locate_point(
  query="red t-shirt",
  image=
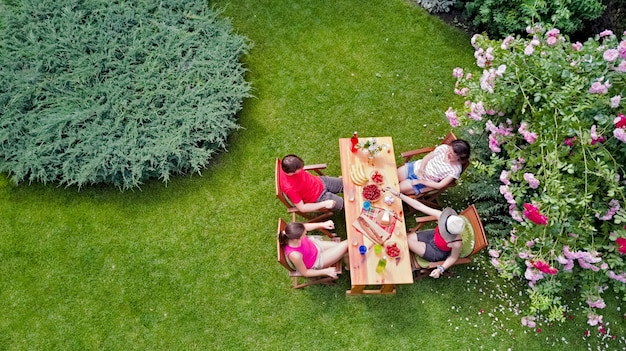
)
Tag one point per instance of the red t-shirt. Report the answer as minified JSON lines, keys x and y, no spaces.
{"x":301,"y":186}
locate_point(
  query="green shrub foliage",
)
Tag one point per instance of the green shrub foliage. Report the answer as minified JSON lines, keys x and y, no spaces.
{"x":500,"y":18}
{"x":116,"y":91}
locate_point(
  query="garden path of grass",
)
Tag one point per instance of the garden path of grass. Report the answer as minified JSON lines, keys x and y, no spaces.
{"x":192,"y":265}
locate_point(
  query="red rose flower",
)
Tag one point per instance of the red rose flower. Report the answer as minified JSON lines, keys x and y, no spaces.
{"x":621,"y":245}
{"x":532,"y":213}
{"x":544,"y":267}
{"x":620,"y":121}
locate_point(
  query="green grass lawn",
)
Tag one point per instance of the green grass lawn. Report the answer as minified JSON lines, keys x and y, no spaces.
{"x":192,"y":265}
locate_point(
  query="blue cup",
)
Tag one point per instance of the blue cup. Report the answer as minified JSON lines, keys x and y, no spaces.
{"x":362,"y":249}
{"x":367,"y":205}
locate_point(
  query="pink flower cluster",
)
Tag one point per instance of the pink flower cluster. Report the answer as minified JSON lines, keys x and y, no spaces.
{"x":507,"y":42}
{"x":457,"y":72}
{"x":553,"y":36}
{"x":615,"y":100}
{"x":488,"y":80}
{"x":606,"y":33}
{"x":600,"y":87}
{"x":477,"y":110}
{"x":528,"y":136}
{"x":620,"y":128}
{"x":618,"y":277}
{"x":596,"y":302}
{"x":518,"y":164}
{"x":594,"y":136}
{"x":530,"y":48}
{"x":495,"y":132}
{"x":528,"y":321}
{"x":532,"y":213}
{"x":585,"y":259}
{"x":484,"y":57}
{"x":533,"y":183}
{"x":452,"y":117}
{"x":611,"y":212}
{"x":508,"y":195}
{"x":593,"y":318}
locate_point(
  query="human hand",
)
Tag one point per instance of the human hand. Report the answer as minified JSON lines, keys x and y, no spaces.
{"x":435,"y":273}
{"x":392,"y":191}
{"x":330,"y":272}
{"x":329,"y":204}
{"x":328,"y":224}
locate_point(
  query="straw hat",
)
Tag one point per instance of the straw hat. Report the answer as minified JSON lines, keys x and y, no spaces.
{"x":450,"y":224}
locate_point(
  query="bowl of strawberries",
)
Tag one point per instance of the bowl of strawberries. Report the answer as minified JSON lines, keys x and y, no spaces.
{"x":371,"y":192}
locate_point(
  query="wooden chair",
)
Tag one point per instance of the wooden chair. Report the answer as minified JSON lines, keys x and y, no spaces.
{"x":291,"y":208}
{"x":430,"y":198}
{"x":474,"y":240}
{"x":282,"y":259}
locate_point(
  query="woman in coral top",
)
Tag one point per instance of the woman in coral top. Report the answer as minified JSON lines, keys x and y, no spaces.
{"x":309,"y":256}
{"x":444,"y":243}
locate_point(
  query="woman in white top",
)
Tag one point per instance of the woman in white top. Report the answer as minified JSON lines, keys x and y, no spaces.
{"x":436,"y":170}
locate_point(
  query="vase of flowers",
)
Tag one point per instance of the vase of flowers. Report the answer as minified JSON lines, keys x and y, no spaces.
{"x":371,"y":148}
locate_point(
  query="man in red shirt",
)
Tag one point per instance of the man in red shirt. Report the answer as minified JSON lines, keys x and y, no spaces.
{"x":309,"y":193}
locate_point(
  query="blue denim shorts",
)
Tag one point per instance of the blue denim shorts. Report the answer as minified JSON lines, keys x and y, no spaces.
{"x":410,"y":170}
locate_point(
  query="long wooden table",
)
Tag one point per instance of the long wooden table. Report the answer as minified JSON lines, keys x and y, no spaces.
{"x":363,"y":275}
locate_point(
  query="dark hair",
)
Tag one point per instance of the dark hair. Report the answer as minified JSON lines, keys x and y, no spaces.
{"x":293,"y":230}
{"x":291,"y":163}
{"x":462,"y":149}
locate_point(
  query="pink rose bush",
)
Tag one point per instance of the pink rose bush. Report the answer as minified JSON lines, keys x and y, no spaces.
{"x":553,"y":131}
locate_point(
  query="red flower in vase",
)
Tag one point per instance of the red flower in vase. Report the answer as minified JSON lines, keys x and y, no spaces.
{"x":532,"y":213}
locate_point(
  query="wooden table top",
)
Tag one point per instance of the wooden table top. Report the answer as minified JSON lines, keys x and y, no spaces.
{"x":363,"y":267}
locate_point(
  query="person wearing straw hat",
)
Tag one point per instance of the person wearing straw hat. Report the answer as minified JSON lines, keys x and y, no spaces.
{"x":440,"y":244}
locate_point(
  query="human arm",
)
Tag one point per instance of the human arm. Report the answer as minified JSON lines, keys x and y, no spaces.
{"x":330,"y":225}
{"x":296,"y":259}
{"x":416,"y":204}
{"x":420,"y":171}
{"x":315,"y":206}
{"x":430,"y":185}
{"x":449,"y":262}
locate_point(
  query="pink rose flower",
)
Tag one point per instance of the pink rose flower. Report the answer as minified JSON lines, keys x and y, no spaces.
{"x":532,"y":181}
{"x":615,"y":100}
{"x":452,"y":117}
{"x":610,"y":55}
{"x":457,"y":72}
{"x":606,"y":33}
{"x":529,"y":49}
{"x":577,"y":46}
{"x":599,"y":87}
{"x":506,"y":42}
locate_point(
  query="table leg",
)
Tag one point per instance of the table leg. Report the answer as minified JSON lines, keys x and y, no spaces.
{"x":386,"y":289}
